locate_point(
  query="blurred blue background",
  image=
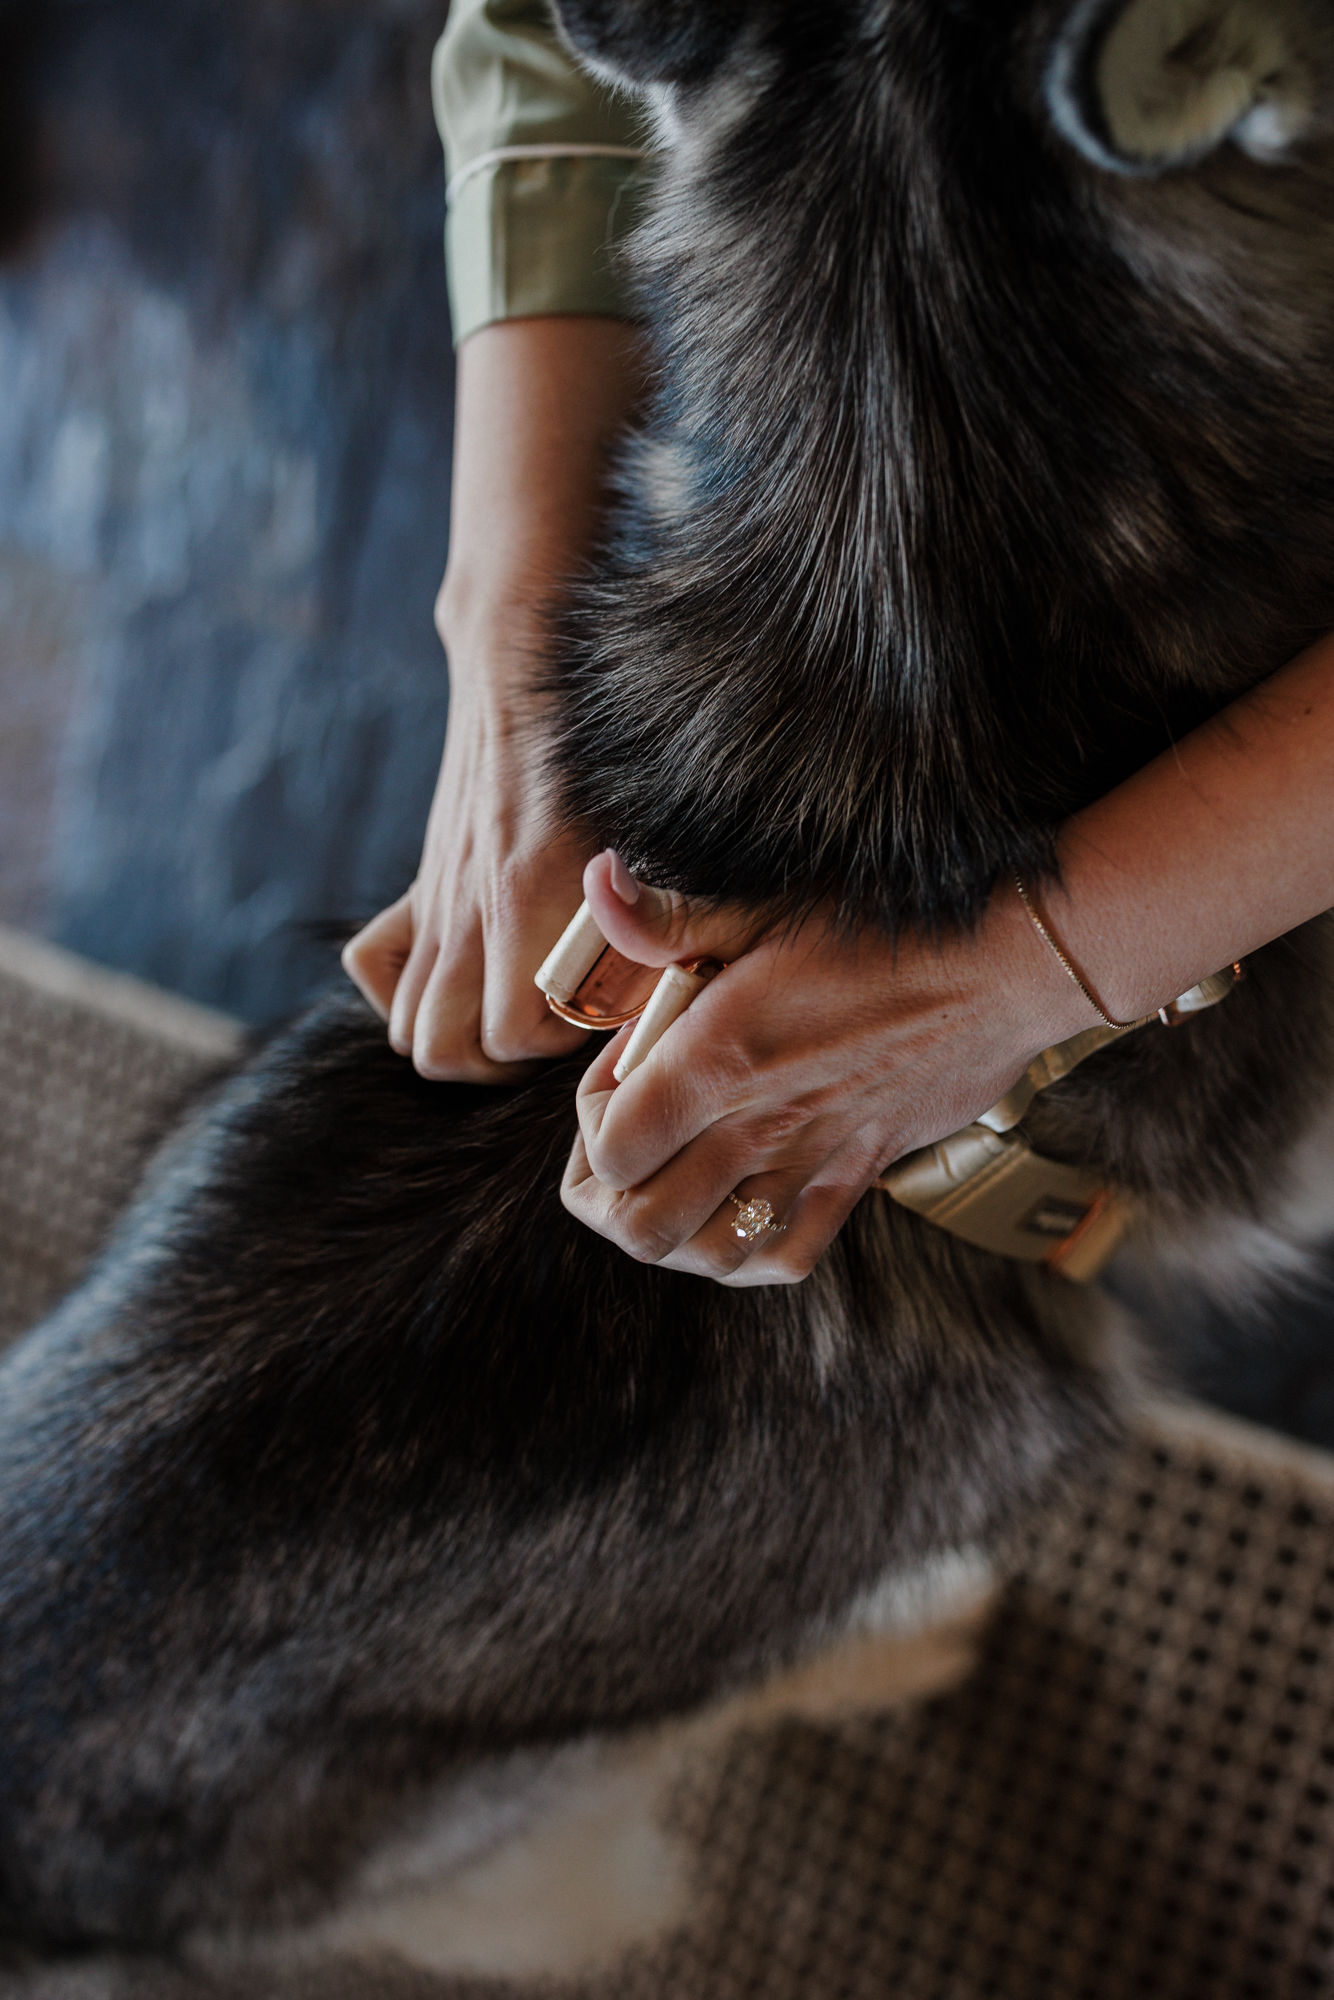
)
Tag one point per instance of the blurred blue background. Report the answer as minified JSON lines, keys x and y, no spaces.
{"x":225,"y":406}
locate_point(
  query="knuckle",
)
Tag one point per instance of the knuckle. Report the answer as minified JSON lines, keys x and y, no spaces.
{"x":432,"y":1068}
{"x":431,"y":1040}
{"x":728,"y":1251}
{"x":726,"y":1269}
{"x":437,"y":1053}
{"x":629,"y":1223}
{"x":508,"y":1043}
{"x":370,"y":988}
{"x":376,"y":953}
{"x":607,"y":1166}
{"x":402,"y":1028}
{"x":647,"y":1241}
{"x":712,"y":1261}
{"x":792,"y":1267}
{"x":777,"y":1124}
{"x":575,"y":1194}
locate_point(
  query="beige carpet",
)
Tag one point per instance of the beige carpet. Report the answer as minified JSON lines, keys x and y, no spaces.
{"x":1133,"y":1795}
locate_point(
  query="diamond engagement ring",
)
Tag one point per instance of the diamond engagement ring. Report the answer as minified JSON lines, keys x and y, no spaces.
{"x":755,"y":1218}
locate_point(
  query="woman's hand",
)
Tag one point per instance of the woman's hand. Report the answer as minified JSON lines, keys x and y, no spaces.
{"x":807,"y":1066}
{"x":450,"y":965}
{"x":815,"y":1060}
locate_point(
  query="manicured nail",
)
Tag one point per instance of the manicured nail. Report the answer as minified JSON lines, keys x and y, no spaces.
{"x":623,"y":882}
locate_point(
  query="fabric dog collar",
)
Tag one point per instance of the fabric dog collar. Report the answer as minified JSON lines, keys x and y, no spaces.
{"x":987,"y":1185}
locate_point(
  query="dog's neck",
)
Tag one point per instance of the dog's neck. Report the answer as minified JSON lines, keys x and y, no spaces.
{"x":946,"y":510}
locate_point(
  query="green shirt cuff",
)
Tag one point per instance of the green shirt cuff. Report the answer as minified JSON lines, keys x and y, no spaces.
{"x":541,"y":236}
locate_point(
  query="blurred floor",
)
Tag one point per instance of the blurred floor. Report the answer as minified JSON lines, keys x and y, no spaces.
{"x":224,"y":454}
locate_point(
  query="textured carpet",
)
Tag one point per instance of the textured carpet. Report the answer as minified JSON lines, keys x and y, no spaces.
{"x":92,"y":1067}
{"x":1133,"y":1795}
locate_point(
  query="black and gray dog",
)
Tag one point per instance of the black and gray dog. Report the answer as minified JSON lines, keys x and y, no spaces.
{"x":993,"y":448}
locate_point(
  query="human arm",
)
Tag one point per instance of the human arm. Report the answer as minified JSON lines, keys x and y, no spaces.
{"x":1221,"y":844}
{"x":450,"y":964}
{"x":814,"y":1060}
{"x":544,"y":173}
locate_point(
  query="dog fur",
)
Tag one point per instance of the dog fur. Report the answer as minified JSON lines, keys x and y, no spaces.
{"x":982,"y":463}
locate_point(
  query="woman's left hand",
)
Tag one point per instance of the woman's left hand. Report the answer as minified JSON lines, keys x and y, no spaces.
{"x":798,"y":1075}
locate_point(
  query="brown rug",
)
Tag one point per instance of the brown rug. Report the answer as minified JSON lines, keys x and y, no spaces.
{"x":1133,"y":1795}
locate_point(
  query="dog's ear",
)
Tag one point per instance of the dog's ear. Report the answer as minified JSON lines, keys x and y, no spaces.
{"x":1142,"y":86}
{"x":646,"y":42}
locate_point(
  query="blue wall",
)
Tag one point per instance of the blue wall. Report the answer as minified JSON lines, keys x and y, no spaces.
{"x":225,"y":377}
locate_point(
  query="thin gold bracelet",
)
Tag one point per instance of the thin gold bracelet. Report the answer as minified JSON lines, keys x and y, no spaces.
{"x":1068,"y":968}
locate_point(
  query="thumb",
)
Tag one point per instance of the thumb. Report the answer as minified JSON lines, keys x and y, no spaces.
{"x":656,"y":926}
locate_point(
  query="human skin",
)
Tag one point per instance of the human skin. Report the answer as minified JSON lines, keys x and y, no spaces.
{"x":816,"y":1058}
{"x":814,"y":1061}
{"x":450,"y":964}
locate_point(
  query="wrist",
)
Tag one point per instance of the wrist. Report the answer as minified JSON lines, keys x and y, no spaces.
{"x":539,"y":404}
{"x":1043,"y":1003}
{"x":1117,"y":914}
{"x":1042,"y":928}
{"x":494,"y":631}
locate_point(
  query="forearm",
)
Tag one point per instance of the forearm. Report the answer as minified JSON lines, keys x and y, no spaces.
{"x":1220,"y":845}
{"x":539,"y":404}
{"x":818,"y":1057}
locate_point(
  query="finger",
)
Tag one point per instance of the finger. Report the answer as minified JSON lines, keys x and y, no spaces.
{"x":751,"y":1218}
{"x":813,"y":1220}
{"x":446,"y":1042}
{"x":652,"y":1222}
{"x":412,"y":984}
{"x":695,"y":1077}
{"x":374,"y":959}
{"x":597,"y":1087}
{"x":690,"y":1215}
{"x":656,"y":926}
{"x":516,"y":1023}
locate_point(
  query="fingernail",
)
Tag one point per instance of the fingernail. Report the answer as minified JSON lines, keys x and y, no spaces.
{"x":623,"y":882}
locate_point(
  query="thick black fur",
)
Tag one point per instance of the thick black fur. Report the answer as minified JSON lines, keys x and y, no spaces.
{"x":359,"y":1460}
{"x":974,"y":476}
{"x":671,"y":41}
{"x":990,"y":474}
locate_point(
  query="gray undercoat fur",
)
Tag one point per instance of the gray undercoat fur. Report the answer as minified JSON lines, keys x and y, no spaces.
{"x":983,"y":460}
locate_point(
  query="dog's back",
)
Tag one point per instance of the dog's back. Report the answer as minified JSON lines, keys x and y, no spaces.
{"x":358,"y":1461}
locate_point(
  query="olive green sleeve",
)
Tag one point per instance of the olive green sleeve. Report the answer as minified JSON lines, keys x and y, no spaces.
{"x":545,"y":169}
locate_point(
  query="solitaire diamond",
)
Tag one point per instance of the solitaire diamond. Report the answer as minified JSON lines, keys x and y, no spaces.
{"x":754,"y":1218}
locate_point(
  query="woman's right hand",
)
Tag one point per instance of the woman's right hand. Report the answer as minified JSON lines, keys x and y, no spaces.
{"x":450,"y":965}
